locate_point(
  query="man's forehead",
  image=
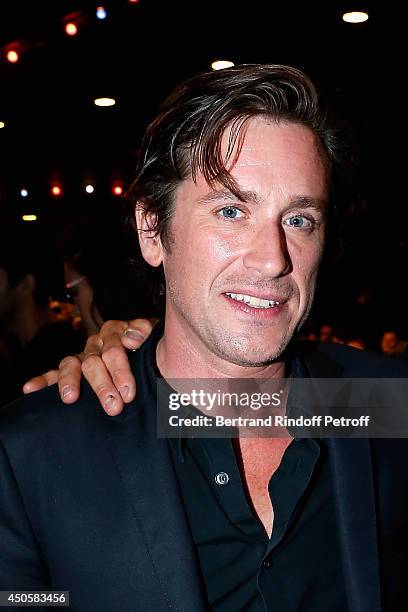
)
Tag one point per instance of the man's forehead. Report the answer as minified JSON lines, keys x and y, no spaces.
{"x":268,"y":142}
{"x":262,"y":127}
{"x":278,"y":166}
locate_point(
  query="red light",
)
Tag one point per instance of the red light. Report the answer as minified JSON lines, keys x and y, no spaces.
{"x":12,"y":56}
{"x":56,"y":191}
{"x":71,"y":29}
{"x":133,"y":1}
{"x":117,"y":190}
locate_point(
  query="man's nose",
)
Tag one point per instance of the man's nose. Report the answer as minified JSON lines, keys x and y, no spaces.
{"x":268,"y":252}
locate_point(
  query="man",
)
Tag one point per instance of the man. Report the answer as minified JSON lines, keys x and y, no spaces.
{"x":232,"y":199}
{"x":392,"y":345}
{"x":32,"y":337}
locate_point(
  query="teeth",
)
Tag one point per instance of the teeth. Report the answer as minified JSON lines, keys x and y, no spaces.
{"x":254,"y":302}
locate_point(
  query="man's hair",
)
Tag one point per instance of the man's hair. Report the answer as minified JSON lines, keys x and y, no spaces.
{"x":185,"y":137}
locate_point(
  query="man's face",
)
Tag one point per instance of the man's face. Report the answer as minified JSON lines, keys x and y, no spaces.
{"x":389,"y":342}
{"x":79,"y":287}
{"x":241,"y":275}
{"x":326,"y":333}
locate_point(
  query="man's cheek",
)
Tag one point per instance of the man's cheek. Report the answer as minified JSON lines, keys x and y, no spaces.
{"x":307,"y":263}
{"x":223,"y":247}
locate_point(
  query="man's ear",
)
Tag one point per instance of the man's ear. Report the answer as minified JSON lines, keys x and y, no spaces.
{"x":150,"y":243}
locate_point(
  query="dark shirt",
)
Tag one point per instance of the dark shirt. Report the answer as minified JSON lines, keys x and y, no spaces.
{"x":299,"y":568}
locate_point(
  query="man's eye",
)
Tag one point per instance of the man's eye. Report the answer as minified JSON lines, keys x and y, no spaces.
{"x":299,"y":221}
{"x":230,"y":212}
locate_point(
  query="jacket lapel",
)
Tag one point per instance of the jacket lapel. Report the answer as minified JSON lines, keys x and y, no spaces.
{"x":145,"y":466}
{"x":351,"y":466}
{"x":354,"y":493}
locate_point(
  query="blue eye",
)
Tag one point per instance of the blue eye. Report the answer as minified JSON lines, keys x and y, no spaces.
{"x":230,"y":212}
{"x":298,"y":221}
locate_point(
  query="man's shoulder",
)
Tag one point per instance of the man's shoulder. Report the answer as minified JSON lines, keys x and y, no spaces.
{"x":353,"y":363}
{"x":44,"y":414}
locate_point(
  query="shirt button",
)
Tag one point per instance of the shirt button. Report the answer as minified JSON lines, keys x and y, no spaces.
{"x":222,"y":478}
{"x":267,"y":563}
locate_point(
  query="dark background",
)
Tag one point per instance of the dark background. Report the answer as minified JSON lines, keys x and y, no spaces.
{"x":139,"y":53}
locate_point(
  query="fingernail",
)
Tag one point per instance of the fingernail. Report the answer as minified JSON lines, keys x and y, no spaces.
{"x":66,"y":391}
{"x":124,"y":391}
{"x":110,"y":403}
{"x":134,"y":335}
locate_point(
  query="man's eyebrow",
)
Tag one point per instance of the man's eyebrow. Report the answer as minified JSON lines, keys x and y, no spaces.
{"x":304,"y":202}
{"x":226,"y":194}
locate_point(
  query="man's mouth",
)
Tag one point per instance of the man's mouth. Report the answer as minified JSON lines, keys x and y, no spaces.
{"x":253,"y":301}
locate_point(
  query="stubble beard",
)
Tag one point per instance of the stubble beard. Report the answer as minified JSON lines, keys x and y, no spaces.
{"x":234,"y":348}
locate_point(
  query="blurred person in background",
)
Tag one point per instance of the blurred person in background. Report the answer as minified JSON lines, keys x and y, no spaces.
{"x":31,"y":334}
{"x":392,"y":345}
{"x":326,"y":333}
{"x":101,"y":284}
{"x":105,"y":283}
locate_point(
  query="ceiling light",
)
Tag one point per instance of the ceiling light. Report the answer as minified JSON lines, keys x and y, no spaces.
{"x":23,"y":193}
{"x":29,"y":217}
{"x":56,"y":191}
{"x":71,"y":29}
{"x":12,"y":56}
{"x":220,"y":64}
{"x":104,"y":101}
{"x":101,"y":12}
{"x":2,"y":124}
{"x":355,"y":17}
{"x":89,"y":188}
{"x":117,"y":190}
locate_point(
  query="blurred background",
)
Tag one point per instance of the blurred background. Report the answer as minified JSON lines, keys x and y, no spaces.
{"x":79,"y":81}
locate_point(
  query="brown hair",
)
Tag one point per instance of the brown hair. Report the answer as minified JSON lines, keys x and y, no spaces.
{"x":185,"y":137}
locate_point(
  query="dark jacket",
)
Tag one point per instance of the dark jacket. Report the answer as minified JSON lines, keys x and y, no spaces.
{"x":90,"y":503}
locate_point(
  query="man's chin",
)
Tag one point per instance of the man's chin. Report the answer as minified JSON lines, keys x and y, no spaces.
{"x":252,"y":355}
{"x":256,"y":360}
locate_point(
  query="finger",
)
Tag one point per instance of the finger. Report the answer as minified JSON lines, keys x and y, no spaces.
{"x":100,"y":380}
{"x":114,"y":357}
{"x":93,"y":346}
{"x":113,"y":327}
{"x":69,"y":379}
{"x":136,"y":332}
{"x":116,"y":361}
{"x":40,"y":382}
